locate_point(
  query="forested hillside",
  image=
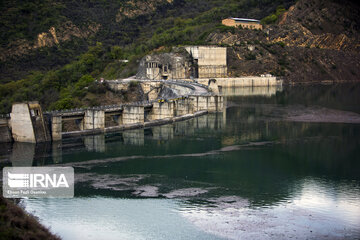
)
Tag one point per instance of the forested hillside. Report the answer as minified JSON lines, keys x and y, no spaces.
{"x":52,"y":51}
{"x":42,"y":35}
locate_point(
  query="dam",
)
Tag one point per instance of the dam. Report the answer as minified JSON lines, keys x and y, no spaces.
{"x":28,"y":123}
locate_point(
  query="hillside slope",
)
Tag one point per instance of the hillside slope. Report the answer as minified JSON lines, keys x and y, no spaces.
{"x":40,"y":35}
{"x":315,"y":40}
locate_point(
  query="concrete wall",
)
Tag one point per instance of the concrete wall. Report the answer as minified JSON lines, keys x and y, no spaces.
{"x":161,"y":110}
{"x":251,"y":91}
{"x":94,"y":119}
{"x":211,"y":60}
{"x":5,"y":133}
{"x":244,"y":81}
{"x":151,"y":88}
{"x":21,"y":123}
{"x":182,"y":107}
{"x":164,"y":66}
{"x":209,"y":103}
{"x":56,"y":128}
{"x":133,"y":114}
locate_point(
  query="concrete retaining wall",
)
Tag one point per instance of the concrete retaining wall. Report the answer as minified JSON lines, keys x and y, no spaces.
{"x":161,"y":110}
{"x":244,"y":81}
{"x":209,"y":103}
{"x":94,"y":119}
{"x":133,"y":114}
{"x":21,"y":123}
{"x":56,"y":127}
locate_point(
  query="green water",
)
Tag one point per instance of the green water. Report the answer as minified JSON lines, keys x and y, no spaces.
{"x":275,"y":165}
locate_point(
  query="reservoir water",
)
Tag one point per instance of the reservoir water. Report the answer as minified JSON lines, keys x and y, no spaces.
{"x":277,"y":164}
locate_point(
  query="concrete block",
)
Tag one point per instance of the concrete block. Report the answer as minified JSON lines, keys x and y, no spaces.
{"x":21,"y":123}
{"x":133,"y":114}
{"x":161,"y":110}
{"x":56,"y":128}
{"x":94,"y":119}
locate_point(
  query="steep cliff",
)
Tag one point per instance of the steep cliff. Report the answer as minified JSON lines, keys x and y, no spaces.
{"x":315,"y":40}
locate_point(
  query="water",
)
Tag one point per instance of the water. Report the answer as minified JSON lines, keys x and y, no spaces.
{"x":276,"y":165}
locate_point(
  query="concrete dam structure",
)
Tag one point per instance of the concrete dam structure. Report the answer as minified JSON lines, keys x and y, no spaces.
{"x":29,"y":124}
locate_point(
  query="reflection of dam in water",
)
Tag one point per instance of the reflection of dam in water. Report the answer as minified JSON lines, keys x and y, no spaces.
{"x":23,"y":154}
{"x":164,"y":132}
{"x":266,"y":91}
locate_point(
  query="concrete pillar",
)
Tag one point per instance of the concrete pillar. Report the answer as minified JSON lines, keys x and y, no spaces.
{"x":212,"y":103}
{"x":193,"y":103}
{"x":161,"y":110}
{"x":202,"y":103}
{"x":56,"y":127}
{"x":21,"y":123}
{"x":182,"y":107}
{"x":94,"y":119}
{"x":133,"y":114}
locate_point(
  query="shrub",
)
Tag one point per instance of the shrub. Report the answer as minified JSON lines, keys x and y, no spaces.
{"x":271,"y":19}
{"x":133,"y":84}
{"x":250,"y":56}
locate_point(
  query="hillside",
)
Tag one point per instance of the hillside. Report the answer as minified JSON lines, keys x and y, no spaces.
{"x":52,"y":50}
{"x":313,"y":41}
{"x":44,"y":35}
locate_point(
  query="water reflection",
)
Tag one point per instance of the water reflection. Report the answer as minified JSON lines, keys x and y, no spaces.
{"x":28,"y":154}
{"x":22,"y":154}
{"x":266,"y":91}
{"x":217,"y":176}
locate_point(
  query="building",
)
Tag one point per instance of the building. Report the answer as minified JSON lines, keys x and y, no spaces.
{"x":210,"y":61}
{"x":243,"y":22}
{"x":174,"y":65}
{"x":184,"y":63}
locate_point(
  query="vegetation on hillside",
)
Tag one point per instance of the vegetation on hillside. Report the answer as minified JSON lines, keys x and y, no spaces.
{"x":182,"y":22}
{"x":15,"y":223}
{"x":273,"y":18}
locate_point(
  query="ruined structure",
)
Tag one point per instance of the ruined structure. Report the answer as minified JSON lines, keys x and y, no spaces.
{"x":175,"y":65}
{"x":184,"y":63}
{"x":28,"y":123}
{"x":243,"y":22}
